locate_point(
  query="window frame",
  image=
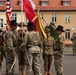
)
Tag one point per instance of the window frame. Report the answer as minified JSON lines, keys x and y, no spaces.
{"x":14,"y":16}
{"x":1,"y":23}
{"x":66,"y":3}
{"x":1,"y":3}
{"x":54,"y":17}
{"x":67,"y":34}
{"x":44,"y":3}
{"x":67,"y":17}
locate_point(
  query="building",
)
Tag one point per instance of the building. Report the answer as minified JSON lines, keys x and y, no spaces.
{"x":61,"y":12}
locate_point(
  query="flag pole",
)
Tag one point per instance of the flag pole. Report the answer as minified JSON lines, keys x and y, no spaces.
{"x":21,"y":10}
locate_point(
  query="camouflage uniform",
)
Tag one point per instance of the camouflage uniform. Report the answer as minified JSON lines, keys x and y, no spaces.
{"x":58,"y":51}
{"x":11,"y":46}
{"x":22,"y":55}
{"x":1,"y":51}
{"x":73,"y":39}
{"x":32,"y":42}
{"x":48,"y":48}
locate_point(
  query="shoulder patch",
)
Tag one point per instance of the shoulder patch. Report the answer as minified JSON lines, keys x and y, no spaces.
{"x":61,"y":39}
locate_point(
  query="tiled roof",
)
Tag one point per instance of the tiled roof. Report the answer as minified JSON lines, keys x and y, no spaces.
{"x":53,"y":5}
{"x":14,"y":4}
{"x":56,"y":5}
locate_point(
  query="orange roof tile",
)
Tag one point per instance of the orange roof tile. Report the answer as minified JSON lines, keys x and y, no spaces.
{"x":56,"y":5}
{"x":53,"y":5}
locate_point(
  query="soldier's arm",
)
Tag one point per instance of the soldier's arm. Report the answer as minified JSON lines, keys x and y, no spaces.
{"x":23,"y":44}
{"x":9,"y":41}
{"x":61,"y":43}
{"x":72,"y":38}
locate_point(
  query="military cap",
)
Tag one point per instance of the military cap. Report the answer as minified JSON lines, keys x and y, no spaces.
{"x":47,"y":30}
{"x":13,"y":23}
{"x":30,"y":25}
{"x":22,"y":24}
{"x":60,"y":28}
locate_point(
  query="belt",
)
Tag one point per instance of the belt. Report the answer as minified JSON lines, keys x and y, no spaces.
{"x":48,"y":45}
{"x":56,"y":49}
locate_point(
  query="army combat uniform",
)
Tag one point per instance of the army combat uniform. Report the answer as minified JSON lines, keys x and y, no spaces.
{"x":12,"y":38}
{"x":73,"y":39}
{"x":48,"y":48}
{"x":58,"y":51}
{"x":11,"y":49}
{"x":22,"y":55}
{"x":32,"y":42}
{"x":1,"y":51}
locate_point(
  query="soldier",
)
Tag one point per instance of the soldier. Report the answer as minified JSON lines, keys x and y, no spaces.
{"x":48,"y":48}
{"x":22,"y":53}
{"x":58,"y":50}
{"x":32,"y":42}
{"x":11,"y":46}
{"x":1,"y":49}
{"x":73,"y":39}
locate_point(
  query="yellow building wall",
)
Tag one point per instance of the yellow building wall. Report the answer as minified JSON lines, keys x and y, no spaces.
{"x":48,"y":18}
{"x":61,"y":21}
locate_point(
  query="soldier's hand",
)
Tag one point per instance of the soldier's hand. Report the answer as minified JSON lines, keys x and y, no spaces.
{"x":15,"y":54}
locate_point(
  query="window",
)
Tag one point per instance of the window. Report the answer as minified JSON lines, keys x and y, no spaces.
{"x":67,"y":17}
{"x":44,"y":3}
{"x":42,"y":15}
{"x":1,"y":23}
{"x":1,"y":3}
{"x":67,"y":34}
{"x":26,"y":20}
{"x":14,"y":16}
{"x":66,"y":3}
{"x":54,"y":17}
{"x":19,"y":2}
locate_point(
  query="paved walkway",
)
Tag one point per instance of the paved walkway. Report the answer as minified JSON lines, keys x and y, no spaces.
{"x":69,"y":64}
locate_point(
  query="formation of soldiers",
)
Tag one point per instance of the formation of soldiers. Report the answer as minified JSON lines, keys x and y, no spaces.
{"x":28,"y":48}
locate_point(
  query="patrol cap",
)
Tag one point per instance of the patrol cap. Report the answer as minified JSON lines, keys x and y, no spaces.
{"x":30,"y":25}
{"x":47,"y":30}
{"x":22,"y":24}
{"x":60,"y":28}
{"x":13,"y":23}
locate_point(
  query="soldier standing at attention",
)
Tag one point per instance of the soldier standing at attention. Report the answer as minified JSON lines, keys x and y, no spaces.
{"x":73,"y":39}
{"x":48,"y":48}
{"x":58,"y":51}
{"x":1,"y":49}
{"x":11,"y":46}
{"x":22,"y":53}
{"x":32,"y":42}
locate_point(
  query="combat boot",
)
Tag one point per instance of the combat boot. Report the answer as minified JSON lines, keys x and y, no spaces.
{"x":46,"y":73}
{"x":23,"y":70}
{"x":49,"y":73}
{"x":20,"y":70}
{"x":0,"y":70}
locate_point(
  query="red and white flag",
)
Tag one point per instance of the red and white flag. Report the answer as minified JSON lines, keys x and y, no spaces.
{"x":28,"y":8}
{"x":8,"y":14}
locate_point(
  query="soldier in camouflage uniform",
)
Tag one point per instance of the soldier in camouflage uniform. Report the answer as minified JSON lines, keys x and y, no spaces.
{"x":11,"y":46}
{"x":22,"y":53}
{"x":73,"y":39}
{"x":1,"y":49}
{"x":48,"y":48}
{"x":58,"y":51}
{"x":32,"y":42}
